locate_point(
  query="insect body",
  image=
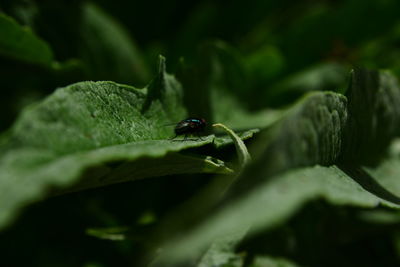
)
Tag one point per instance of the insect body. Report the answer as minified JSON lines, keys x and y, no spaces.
{"x":190,"y":126}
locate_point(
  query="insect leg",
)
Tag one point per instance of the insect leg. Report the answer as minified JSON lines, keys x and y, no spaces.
{"x":199,"y":136}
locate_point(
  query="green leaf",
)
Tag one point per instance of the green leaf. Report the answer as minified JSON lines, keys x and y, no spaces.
{"x":308,"y":133}
{"x":374,"y":116}
{"x":372,"y":125}
{"x":266,"y":261}
{"x":222,"y":141}
{"x":90,"y":115}
{"x":18,"y":42}
{"x":108,"y":50}
{"x":221,"y":252}
{"x":75,"y":132}
{"x":271,"y":203}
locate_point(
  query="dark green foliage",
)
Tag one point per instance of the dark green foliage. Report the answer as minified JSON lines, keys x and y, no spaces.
{"x":20,"y":43}
{"x":301,"y":169}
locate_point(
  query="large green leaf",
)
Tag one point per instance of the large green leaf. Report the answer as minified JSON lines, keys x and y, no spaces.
{"x":77,"y":130}
{"x":273,"y":202}
{"x":308,"y":133}
{"x":18,"y":42}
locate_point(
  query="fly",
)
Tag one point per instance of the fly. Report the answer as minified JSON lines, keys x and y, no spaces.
{"x":190,"y":126}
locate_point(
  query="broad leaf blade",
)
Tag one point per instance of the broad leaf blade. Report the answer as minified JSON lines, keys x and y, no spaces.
{"x":77,"y":130}
{"x":29,"y":174}
{"x":309,"y":133}
{"x":90,"y":115}
{"x":270,"y":204}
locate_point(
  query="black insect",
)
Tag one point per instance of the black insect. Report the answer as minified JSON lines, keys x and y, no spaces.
{"x":190,"y":126}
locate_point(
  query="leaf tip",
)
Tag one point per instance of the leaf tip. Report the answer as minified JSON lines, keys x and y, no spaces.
{"x":161,"y":64}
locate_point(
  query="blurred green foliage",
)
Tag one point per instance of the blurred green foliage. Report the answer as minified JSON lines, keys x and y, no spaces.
{"x":262,"y":64}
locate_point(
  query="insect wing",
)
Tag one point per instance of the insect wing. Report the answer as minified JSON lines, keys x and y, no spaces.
{"x":183,"y":124}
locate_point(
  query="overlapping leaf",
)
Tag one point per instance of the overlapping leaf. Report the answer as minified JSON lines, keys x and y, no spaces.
{"x":77,"y":130}
{"x":311,"y":133}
